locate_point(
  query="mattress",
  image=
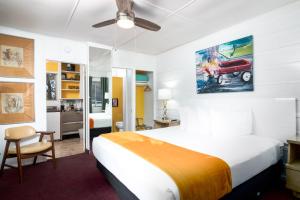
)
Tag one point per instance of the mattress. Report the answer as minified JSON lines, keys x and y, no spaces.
{"x":245,"y":155}
{"x":101,"y":120}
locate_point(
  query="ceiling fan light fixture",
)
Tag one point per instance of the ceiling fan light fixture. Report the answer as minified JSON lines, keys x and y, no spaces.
{"x":125,"y":21}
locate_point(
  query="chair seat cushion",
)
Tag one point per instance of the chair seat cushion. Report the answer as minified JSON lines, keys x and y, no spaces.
{"x":31,"y":148}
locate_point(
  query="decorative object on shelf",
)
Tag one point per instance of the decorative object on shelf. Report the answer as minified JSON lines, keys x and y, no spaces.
{"x":73,"y":87}
{"x":51,"y":86}
{"x":70,"y":67}
{"x":16,"y":56}
{"x":114,"y":102}
{"x":63,"y":76}
{"x":227,"y":67}
{"x":77,"y":77}
{"x":16,"y":102}
{"x":164,"y":95}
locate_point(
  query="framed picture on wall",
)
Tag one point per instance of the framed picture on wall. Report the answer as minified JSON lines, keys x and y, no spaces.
{"x":16,"y":56}
{"x":16,"y":102}
{"x":227,"y":67}
{"x":114,"y":102}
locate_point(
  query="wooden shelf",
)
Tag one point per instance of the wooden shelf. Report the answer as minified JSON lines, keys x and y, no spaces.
{"x":75,"y":81}
{"x":71,"y":90}
{"x":295,"y":165}
{"x":70,"y":72}
{"x":71,"y":98}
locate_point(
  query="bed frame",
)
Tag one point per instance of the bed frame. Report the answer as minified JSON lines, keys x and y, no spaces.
{"x":95,"y":132}
{"x":249,"y":190}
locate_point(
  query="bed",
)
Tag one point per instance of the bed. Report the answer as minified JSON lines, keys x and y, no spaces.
{"x":253,"y":158}
{"x":99,"y":123}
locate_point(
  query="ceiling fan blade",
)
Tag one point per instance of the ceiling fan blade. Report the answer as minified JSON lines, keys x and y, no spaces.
{"x":105,"y":23}
{"x":146,"y":24}
{"x":124,"y":5}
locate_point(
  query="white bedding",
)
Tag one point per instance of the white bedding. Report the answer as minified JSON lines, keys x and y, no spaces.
{"x":245,"y":155}
{"x":101,"y":119}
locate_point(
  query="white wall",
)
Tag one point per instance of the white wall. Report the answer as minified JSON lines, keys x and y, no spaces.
{"x":132,"y":60}
{"x":44,"y":48}
{"x":276,"y":59}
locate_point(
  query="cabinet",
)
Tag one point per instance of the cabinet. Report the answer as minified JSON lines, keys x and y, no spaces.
{"x":293,"y":166}
{"x":53,"y":124}
{"x":70,"y":122}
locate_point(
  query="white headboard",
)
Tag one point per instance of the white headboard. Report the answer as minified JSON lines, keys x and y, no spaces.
{"x":272,"y":117}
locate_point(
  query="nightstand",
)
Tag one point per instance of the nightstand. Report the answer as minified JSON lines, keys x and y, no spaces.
{"x":159,"y":123}
{"x":293,"y":166}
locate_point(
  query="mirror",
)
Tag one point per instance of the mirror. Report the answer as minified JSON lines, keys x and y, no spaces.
{"x":98,"y":94}
{"x":100,"y":83}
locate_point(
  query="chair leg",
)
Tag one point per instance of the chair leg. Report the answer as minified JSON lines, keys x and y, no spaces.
{"x":19,"y":161}
{"x":53,"y":158}
{"x":4,"y":157}
{"x":53,"y":152}
{"x":34,"y":160}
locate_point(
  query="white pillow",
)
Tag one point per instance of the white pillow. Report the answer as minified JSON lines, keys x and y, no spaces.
{"x":195,"y":121}
{"x":228,"y":123}
{"x":203,"y":122}
{"x":185,"y":117}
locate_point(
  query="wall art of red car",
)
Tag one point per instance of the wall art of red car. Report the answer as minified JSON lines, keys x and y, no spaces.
{"x":234,"y":67}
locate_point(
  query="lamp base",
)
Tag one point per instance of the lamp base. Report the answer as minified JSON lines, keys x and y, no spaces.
{"x":164,"y":117}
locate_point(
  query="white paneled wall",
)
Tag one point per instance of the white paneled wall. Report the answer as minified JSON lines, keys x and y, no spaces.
{"x":44,"y":48}
{"x":276,"y":59}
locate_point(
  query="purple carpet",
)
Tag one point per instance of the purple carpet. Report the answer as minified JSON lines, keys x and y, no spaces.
{"x":76,"y":178}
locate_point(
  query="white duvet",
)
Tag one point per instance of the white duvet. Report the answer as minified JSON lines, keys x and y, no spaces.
{"x":245,"y":155}
{"x":101,"y":120}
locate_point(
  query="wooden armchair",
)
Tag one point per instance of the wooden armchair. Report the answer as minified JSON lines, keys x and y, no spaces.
{"x":15,"y":135}
{"x":139,"y":125}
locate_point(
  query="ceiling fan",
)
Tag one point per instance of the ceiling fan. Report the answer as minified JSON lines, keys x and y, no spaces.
{"x":126,"y":18}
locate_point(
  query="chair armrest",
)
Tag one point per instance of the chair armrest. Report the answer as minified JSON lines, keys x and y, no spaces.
{"x":46,"y":132}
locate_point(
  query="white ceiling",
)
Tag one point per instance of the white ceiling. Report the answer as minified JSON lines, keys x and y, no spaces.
{"x":182,"y":21}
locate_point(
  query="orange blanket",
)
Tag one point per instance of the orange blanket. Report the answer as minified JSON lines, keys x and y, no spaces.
{"x":197,"y":176}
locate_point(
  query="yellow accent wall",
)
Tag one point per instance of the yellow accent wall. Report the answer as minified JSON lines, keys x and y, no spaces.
{"x":117,"y":92}
{"x":139,"y":108}
{"x":52,"y":66}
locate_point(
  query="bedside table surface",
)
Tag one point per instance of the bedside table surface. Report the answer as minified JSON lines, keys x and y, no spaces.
{"x":294,"y":140}
{"x":163,"y":121}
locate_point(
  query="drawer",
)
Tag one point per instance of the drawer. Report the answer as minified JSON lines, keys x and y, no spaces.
{"x":293,"y":179}
{"x":71,"y":127}
{"x":71,"y":116}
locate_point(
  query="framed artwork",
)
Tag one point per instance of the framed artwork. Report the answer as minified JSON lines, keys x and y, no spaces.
{"x":16,"y":102}
{"x":51,"y":86}
{"x":227,"y":67}
{"x":16,"y":56}
{"x":114,"y":102}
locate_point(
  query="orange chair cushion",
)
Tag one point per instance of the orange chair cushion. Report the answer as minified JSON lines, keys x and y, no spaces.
{"x":31,"y":148}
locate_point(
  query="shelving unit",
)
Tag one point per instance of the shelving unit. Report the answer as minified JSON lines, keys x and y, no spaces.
{"x":70,"y":81}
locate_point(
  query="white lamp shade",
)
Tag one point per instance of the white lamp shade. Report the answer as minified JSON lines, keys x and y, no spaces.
{"x":164,"y":94}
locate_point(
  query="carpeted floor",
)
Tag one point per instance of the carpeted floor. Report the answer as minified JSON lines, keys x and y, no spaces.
{"x":76,"y":178}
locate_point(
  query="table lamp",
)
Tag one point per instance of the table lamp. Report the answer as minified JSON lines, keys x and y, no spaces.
{"x":164,"y":94}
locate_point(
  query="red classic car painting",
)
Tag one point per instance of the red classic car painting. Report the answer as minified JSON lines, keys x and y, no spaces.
{"x":227,"y":67}
{"x":234,"y":67}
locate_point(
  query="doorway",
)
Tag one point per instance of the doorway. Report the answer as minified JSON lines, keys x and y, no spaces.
{"x":65,"y":106}
{"x":144,"y":100}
